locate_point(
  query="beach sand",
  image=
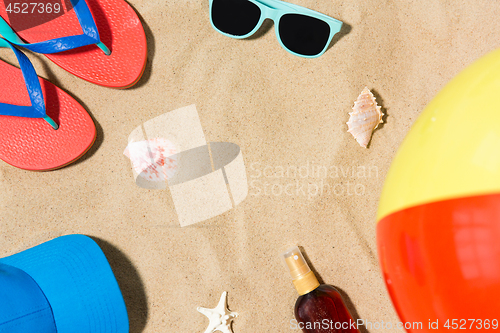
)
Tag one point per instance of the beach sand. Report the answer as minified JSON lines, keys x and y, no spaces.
{"x":310,"y":183}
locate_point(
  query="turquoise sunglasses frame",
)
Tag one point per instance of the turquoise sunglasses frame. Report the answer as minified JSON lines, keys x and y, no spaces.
{"x":274,"y":10}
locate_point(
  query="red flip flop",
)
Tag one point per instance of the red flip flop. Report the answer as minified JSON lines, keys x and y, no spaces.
{"x":79,"y":36}
{"x":28,"y":135}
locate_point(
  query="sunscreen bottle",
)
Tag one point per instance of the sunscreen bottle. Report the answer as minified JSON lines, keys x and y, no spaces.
{"x":319,"y":308}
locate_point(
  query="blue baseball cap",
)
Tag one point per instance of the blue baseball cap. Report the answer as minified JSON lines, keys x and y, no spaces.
{"x":62,"y":286}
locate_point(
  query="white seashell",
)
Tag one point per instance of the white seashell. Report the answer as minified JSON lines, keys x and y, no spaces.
{"x":154,"y":159}
{"x":365,"y":117}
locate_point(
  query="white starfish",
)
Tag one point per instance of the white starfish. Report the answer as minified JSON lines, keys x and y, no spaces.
{"x":220,"y":317}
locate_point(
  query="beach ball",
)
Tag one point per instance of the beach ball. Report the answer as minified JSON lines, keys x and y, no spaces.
{"x":438,"y":229}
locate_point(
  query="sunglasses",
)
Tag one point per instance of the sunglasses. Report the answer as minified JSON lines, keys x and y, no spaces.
{"x":300,"y":31}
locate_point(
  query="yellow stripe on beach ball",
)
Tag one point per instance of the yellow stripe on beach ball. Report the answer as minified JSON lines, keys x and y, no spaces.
{"x":453,"y":149}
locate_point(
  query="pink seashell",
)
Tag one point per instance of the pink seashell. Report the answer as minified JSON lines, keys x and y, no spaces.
{"x":153,"y":159}
{"x":365,"y":117}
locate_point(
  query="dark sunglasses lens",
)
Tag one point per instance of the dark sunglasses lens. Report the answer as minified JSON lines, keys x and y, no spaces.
{"x":302,"y":34}
{"x":235,"y":17}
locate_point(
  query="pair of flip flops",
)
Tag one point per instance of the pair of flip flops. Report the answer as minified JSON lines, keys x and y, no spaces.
{"x":101,"y":41}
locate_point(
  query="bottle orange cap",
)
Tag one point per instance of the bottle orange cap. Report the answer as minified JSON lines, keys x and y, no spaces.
{"x":303,"y":278}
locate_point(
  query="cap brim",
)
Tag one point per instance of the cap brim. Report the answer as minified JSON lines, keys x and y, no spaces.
{"x":75,"y":276}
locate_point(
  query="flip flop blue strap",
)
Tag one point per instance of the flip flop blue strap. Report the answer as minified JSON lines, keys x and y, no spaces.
{"x":37,"y":108}
{"x":90,"y":34}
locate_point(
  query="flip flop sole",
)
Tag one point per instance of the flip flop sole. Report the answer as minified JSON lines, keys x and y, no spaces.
{"x":32,"y":144}
{"x":119,"y":28}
